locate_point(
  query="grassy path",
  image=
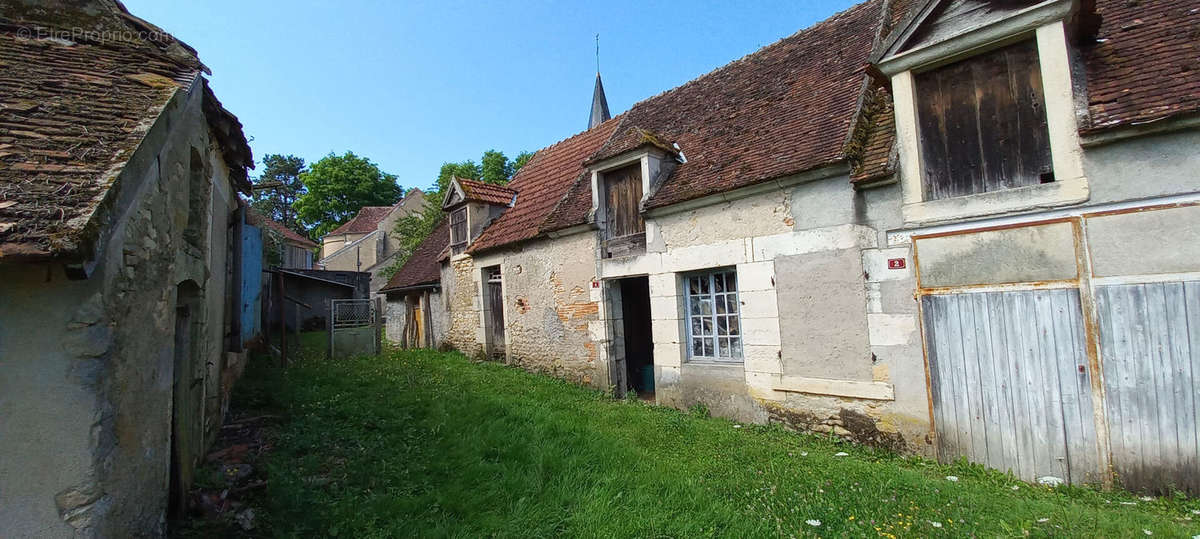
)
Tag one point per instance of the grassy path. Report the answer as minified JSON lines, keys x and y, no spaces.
{"x":431,"y":444}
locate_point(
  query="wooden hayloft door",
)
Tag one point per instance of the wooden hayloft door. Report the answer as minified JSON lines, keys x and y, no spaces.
{"x":494,"y":298}
{"x":625,"y":229}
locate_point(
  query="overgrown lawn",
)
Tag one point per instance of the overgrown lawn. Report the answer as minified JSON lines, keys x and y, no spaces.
{"x":433,"y":444}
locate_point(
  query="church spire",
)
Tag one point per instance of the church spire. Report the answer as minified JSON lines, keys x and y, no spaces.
{"x":599,"y":113}
{"x":599,"y":105}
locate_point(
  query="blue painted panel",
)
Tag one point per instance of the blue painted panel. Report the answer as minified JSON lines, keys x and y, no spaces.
{"x":252,"y":259}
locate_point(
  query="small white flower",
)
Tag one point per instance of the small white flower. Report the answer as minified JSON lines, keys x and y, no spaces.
{"x":737,"y":426}
{"x":935,"y":524}
{"x":1147,"y":532}
{"x":1042,"y":520}
{"x":1128,"y":503}
{"x":1050,"y":480}
{"x":804,"y":453}
{"x":1196,"y":511}
{"x":1146,"y":499}
{"x":952,"y":478}
{"x":1016,"y":487}
{"x":812,"y":522}
{"x":841,"y":454}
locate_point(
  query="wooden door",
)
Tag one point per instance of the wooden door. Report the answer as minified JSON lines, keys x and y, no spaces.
{"x":495,"y":311}
{"x":623,"y":194}
{"x":1010,"y":382}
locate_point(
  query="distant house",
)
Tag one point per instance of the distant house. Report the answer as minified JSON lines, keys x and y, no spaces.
{"x":959,"y":228}
{"x":284,"y":247}
{"x":367,"y":242}
{"x":120,"y":270}
{"x":416,"y":313}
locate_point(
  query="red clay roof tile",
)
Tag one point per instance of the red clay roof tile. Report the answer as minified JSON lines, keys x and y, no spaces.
{"x":423,"y":267}
{"x":486,"y":192}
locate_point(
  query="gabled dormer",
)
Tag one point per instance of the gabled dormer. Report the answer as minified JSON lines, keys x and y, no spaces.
{"x":470,"y":206}
{"x":985,"y":106}
{"x":624,"y":173}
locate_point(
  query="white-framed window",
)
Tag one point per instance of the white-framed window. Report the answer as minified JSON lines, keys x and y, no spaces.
{"x":714,"y":326}
{"x":458,"y":227}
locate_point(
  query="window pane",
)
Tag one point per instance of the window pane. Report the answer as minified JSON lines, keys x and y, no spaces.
{"x":704,"y":285}
{"x":697,"y":347}
{"x":735,"y":347}
{"x":706,"y":307}
{"x":731,"y":281}
{"x":722,"y":325}
{"x":732,"y":301}
{"x":724,"y":352}
{"x":696,"y":326}
{"x":720,"y":302}
{"x":706,"y":326}
{"x":719,"y":283}
{"x":694,"y":285}
{"x":733,"y":326}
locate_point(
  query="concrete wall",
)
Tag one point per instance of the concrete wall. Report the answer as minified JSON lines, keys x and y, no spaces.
{"x":86,"y":382}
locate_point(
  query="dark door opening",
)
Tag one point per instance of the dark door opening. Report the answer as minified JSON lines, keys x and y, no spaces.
{"x":639,"y":345}
{"x":185,"y":399}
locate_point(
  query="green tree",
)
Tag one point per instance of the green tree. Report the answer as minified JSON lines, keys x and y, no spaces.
{"x":278,"y":187}
{"x":520,"y":161}
{"x":496,"y":167}
{"x":338,"y":186}
{"x":465,"y":169}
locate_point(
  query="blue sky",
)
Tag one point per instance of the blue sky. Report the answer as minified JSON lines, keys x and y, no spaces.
{"x":414,"y":84}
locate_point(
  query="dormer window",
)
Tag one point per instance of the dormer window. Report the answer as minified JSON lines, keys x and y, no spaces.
{"x":458,"y":228}
{"x":982,"y":124}
{"x":985,"y":108}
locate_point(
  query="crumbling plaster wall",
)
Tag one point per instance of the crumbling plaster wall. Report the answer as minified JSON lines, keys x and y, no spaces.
{"x":836,"y":231}
{"x":87,"y":406}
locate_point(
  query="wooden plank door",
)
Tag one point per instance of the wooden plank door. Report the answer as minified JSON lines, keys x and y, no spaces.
{"x":1010,"y":382}
{"x":623,"y":194}
{"x":1150,"y":346}
{"x":495,"y":314}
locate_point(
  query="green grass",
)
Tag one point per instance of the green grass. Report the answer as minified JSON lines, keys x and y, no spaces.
{"x":432,"y":444}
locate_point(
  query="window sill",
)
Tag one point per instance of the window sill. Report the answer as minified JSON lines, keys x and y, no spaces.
{"x":1033,"y":197}
{"x":715,"y":362}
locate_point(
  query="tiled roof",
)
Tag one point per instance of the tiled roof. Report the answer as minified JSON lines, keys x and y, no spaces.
{"x":1145,"y":64}
{"x":365,"y":221}
{"x":423,"y":267}
{"x":782,"y":110}
{"x":291,"y":236}
{"x":486,"y":192}
{"x":71,"y":116}
{"x":874,"y":160}
{"x":542,"y":185}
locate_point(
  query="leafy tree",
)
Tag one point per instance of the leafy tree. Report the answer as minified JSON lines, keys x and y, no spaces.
{"x":520,"y":161}
{"x":465,"y":169}
{"x":338,"y":186}
{"x":282,"y":174}
{"x":496,"y":168}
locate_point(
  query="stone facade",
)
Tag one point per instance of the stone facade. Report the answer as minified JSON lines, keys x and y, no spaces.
{"x":90,"y":365}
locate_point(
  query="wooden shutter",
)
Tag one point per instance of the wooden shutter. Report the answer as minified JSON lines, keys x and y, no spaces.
{"x":982,"y":123}
{"x":623,"y":193}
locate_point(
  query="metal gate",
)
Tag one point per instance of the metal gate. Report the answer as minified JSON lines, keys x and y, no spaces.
{"x":355,"y":327}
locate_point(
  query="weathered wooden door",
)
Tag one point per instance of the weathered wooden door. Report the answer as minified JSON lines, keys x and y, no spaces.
{"x":1150,"y":343}
{"x":495,"y":313}
{"x":1010,"y":382}
{"x":622,"y":196}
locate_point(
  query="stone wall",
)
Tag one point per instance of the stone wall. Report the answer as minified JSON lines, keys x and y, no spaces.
{"x":86,"y":387}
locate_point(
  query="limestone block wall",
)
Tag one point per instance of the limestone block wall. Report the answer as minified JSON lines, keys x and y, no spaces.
{"x":461,"y":295}
{"x":830,"y":342}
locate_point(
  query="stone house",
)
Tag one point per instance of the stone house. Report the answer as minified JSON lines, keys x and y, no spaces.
{"x":949,"y":227}
{"x":368,"y":242}
{"x":120,"y":254}
{"x":415,"y":311}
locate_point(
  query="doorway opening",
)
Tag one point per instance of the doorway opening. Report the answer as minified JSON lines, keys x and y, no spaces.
{"x":638,"y":340}
{"x":493,"y":297}
{"x":186,"y":426}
